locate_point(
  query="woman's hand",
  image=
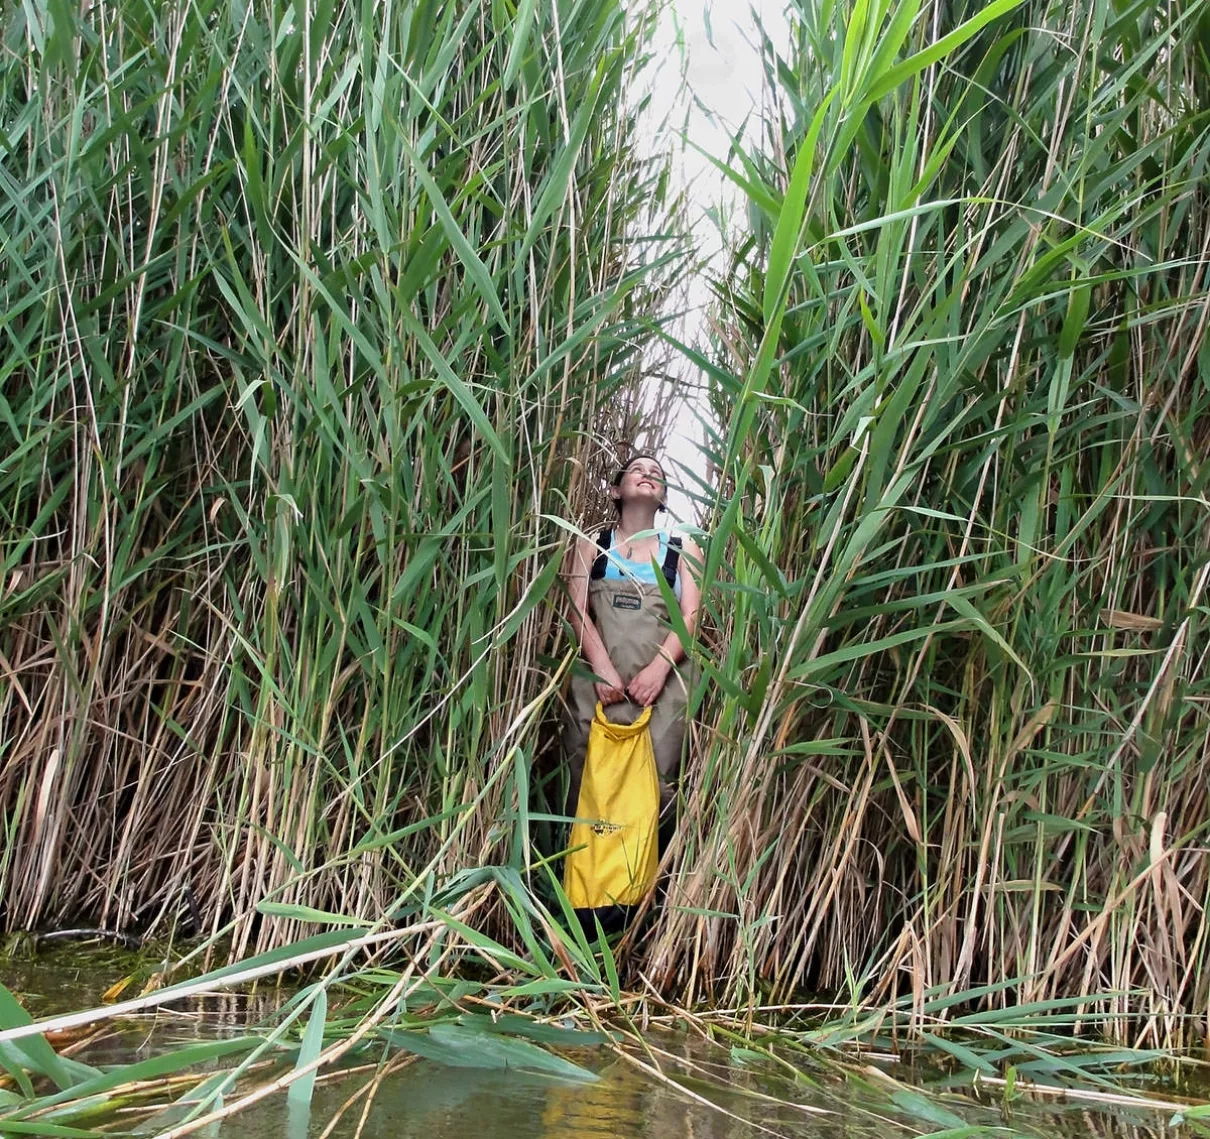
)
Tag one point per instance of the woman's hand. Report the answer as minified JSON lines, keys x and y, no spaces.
{"x":646,"y":687}
{"x":611,"y":688}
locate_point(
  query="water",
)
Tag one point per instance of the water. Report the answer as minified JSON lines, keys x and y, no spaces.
{"x":422,"y":1100}
{"x":425,"y":1101}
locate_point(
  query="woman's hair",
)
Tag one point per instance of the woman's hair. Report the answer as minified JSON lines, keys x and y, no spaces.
{"x":621,"y":471}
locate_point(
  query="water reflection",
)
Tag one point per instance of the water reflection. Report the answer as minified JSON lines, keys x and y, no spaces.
{"x":426,"y":1101}
{"x":1073,"y":1121}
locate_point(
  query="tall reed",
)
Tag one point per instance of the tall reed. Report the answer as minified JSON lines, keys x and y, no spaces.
{"x":956,"y":739}
{"x":310,"y":315}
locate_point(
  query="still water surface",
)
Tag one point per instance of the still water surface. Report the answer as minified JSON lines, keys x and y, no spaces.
{"x":427,"y":1101}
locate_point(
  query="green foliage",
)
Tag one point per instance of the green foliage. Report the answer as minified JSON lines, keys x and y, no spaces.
{"x":306,"y":316}
{"x":958,"y":554}
{"x":462,"y":1047}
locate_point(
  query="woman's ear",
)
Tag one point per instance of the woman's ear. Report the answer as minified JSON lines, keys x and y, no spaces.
{"x":615,"y":492}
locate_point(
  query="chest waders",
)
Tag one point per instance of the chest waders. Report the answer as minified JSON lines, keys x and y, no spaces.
{"x":632,"y":618}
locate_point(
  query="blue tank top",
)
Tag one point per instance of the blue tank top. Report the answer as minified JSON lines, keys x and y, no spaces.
{"x":618,"y":568}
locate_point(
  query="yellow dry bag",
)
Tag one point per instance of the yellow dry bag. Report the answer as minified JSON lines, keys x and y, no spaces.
{"x":613,"y":848}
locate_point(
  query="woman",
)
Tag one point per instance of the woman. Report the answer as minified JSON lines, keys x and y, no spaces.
{"x":620,"y":618}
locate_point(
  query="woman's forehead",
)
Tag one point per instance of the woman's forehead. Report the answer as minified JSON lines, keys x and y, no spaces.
{"x":645,"y":464}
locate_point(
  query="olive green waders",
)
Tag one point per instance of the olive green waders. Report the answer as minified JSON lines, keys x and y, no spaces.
{"x":632,"y":619}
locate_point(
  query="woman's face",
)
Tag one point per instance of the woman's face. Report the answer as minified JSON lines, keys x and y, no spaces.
{"x":644,"y":478}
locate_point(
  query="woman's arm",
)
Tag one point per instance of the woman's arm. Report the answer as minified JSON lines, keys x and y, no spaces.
{"x":613,"y":690}
{"x":649,"y":683}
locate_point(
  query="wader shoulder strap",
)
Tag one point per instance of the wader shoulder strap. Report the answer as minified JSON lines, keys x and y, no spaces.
{"x":672,"y":560}
{"x":604,"y":541}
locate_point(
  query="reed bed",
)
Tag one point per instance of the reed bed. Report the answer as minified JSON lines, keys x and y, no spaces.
{"x":954,"y":751}
{"x":319,"y":326}
{"x":314,"y":318}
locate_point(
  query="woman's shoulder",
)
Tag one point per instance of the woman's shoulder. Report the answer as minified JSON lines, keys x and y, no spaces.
{"x":585,"y":551}
{"x":689,"y":540}
{"x":689,"y":551}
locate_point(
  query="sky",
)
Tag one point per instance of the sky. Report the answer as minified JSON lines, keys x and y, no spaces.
{"x":713,"y":42}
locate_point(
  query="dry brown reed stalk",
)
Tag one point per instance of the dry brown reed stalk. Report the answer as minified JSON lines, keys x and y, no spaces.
{"x":189,"y":989}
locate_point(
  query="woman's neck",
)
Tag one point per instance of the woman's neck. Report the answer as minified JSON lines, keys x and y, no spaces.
{"x":635,"y":518}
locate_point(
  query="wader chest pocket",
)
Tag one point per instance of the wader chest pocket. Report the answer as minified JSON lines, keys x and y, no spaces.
{"x":627,"y":601}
